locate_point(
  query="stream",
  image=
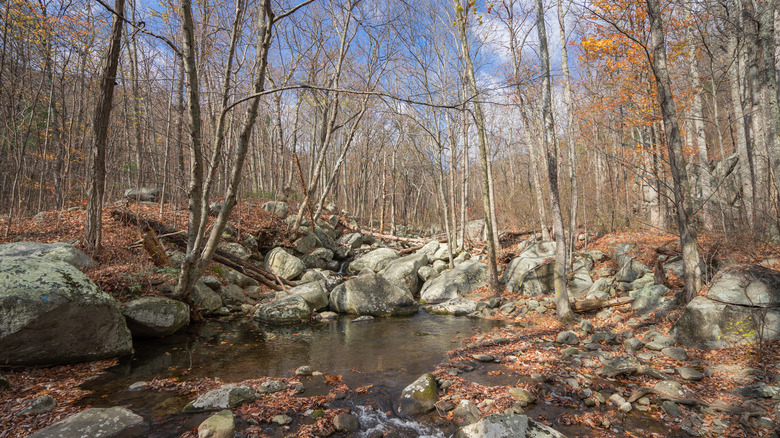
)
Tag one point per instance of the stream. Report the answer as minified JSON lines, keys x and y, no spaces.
{"x":386,"y":353}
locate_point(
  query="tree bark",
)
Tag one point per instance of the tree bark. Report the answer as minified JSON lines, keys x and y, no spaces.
{"x":93,"y":225}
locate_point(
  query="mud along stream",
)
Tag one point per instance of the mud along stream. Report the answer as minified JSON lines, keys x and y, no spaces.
{"x":385,"y":353}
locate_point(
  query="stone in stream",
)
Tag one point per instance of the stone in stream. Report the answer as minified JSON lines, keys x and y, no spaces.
{"x":402,"y":272}
{"x":97,"y":423}
{"x":221,"y":425}
{"x":52,"y":313}
{"x":313,"y":293}
{"x":457,"y":306}
{"x":419,"y":397}
{"x":507,"y":426}
{"x":372,"y":294}
{"x":523,"y":396}
{"x":455,"y":282}
{"x":292,"y":309}
{"x":271,"y":386}
{"x":155,"y":316}
{"x":224,"y":397}
{"x":58,"y":251}
{"x":346,"y":423}
{"x":466,"y":413}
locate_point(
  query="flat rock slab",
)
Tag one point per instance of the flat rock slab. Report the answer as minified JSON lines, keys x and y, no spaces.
{"x":97,"y":423}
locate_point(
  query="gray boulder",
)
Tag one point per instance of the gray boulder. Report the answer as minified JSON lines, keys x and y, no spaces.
{"x":232,"y":295}
{"x":456,"y":282}
{"x":649,"y":298}
{"x":237,"y":278}
{"x":64,"y":252}
{"x":289,"y":310}
{"x":747,"y":285}
{"x":475,"y":230}
{"x":155,"y":316}
{"x":710,"y":324}
{"x":540,"y":280}
{"x":419,"y":397}
{"x":205,"y":298}
{"x":283,"y":264}
{"x":429,"y":248}
{"x":318,"y":258}
{"x":224,"y":397}
{"x":221,"y":425}
{"x":631,"y":270}
{"x":278,"y":208}
{"x":372,"y":294}
{"x":113,"y":422}
{"x":375,"y":260}
{"x":507,"y":426}
{"x":50,"y":312}
{"x":329,"y":279}
{"x":145,"y":194}
{"x":403,"y":272}
{"x":599,"y":289}
{"x":235,"y":250}
{"x":305,"y":243}
{"x":352,"y":240}
{"x":313,"y":293}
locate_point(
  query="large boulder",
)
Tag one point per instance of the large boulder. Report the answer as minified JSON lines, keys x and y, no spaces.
{"x":456,"y":282}
{"x":375,"y":260}
{"x":403,"y":272}
{"x":372,"y":294}
{"x":145,"y":194}
{"x":328,"y":279}
{"x":457,"y":306}
{"x":155,"y":316}
{"x":292,"y":309}
{"x":507,"y":426}
{"x":313,"y":293}
{"x":419,"y":397}
{"x":50,"y":312}
{"x":221,"y":425}
{"x":284,"y":264}
{"x":97,"y":423}
{"x":57,"y":251}
{"x":278,"y":208}
{"x":742,"y":306}
{"x":429,"y":249}
{"x":351,"y":240}
{"x":475,"y":230}
{"x":319,"y":258}
{"x":649,"y":298}
{"x":524,"y":265}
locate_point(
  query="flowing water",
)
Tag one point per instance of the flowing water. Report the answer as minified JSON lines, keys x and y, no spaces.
{"x":386,"y":353}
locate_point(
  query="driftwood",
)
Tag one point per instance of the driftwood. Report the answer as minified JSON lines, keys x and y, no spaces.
{"x":582,"y":306}
{"x":179,"y":239}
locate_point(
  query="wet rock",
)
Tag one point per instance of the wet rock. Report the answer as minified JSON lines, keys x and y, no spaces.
{"x":96,"y":423}
{"x":466,"y":413}
{"x":271,"y":386}
{"x":567,"y":338}
{"x":52,"y":313}
{"x":372,"y":294}
{"x":155,"y":316}
{"x":224,"y":397}
{"x":327,"y":316}
{"x":290,"y":310}
{"x":457,"y":306}
{"x":40,"y":405}
{"x":221,"y":425}
{"x":522,"y":395}
{"x":346,"y":423}
{"x":363,"y":318}
{"x":58,"y":251}
{"x":375,"y":260}
{"x":281,"y":420}
{"x":688,"y":373}
{"x":456,"y":282}
{"x":419,"y":397}
{"x":283,"y":264}
{"x":507,"y":426}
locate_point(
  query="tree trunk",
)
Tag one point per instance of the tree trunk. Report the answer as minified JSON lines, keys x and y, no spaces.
{"x":564,"y":312}
{"x":688,"y":243}
{"x":93,"y":225}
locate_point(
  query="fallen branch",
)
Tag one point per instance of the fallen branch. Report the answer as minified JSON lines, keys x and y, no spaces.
{"x":582,"y":306}
{"x":360,"y":230}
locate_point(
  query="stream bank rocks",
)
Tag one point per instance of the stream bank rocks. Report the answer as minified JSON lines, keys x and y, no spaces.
{"x":419,"y":397}
{"x":97,"y":423}
{"x":507,"y":426}
{"x":221,"y":425}
{"x":225,"y":397}
{"x":372,"y":294}
{"x":155,"y":316}
{"x":58,"y":251}
{"x":52,"y":313}
{"x":742,"y":306}
{"x":455,"y":282}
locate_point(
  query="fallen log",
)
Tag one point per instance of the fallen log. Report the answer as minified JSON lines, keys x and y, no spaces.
{"x":582,"y":306}
{"x":179,"y":239}
{"x":155,"y":249}
{"x":360,"y":230}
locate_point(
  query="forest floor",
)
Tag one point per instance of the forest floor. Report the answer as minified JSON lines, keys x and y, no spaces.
{"x":526,"y":347}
